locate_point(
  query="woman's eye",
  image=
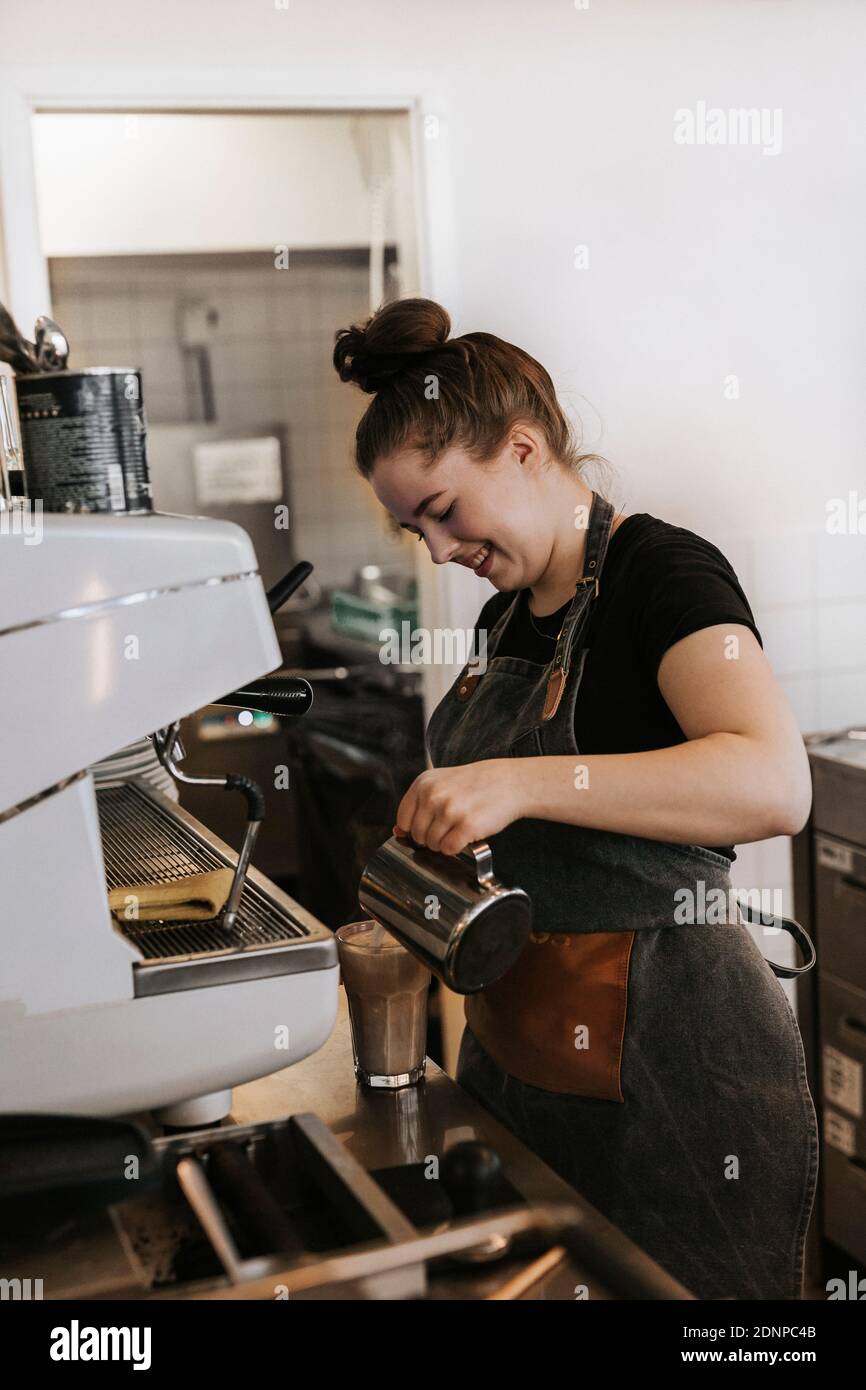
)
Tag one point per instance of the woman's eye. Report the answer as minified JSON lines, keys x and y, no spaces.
{"x":445,"y":515}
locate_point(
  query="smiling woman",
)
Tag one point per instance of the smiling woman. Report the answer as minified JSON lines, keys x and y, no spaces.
{"x":624,"y":733}
{"x":442,"y":414}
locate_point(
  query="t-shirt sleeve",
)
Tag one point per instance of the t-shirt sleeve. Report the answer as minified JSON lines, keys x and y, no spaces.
{"x":680,"y":584}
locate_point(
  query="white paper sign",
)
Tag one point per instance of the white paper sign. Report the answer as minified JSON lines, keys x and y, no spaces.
{"x":237,"y":470}
{"x":843,"y":1081}
{"x":839,"y":1132}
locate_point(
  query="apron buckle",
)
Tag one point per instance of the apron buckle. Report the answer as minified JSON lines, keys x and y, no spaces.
{"x":467,"y":686}
{"x":590,"y":580}
{"x":555,"y":687}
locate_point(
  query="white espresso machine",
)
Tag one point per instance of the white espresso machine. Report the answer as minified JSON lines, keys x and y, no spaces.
{"x":112,"y":627}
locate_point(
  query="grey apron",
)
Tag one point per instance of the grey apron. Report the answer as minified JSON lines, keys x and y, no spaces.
{"x":707,"y":1156}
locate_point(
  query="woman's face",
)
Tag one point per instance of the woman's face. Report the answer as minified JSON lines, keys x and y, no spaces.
{"x":497,"y":506}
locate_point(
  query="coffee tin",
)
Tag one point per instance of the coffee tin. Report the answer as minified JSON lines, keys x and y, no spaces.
{"x":83,"y":437}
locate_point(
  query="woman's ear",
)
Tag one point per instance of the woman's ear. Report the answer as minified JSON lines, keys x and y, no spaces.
{"x":526,"y":444}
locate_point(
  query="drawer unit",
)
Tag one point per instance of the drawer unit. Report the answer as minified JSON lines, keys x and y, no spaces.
{"x":840,"y":902}
{"x":838,"y":804}
{"x":844,"y":1190}
{"x":830,"y":901}
{"x":843,"y":1061}
{"x":843,"y":1114}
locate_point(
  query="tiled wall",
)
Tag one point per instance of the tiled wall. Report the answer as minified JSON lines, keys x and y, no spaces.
{"x":271,"y":364}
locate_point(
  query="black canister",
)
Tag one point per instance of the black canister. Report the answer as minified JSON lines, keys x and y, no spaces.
{"x":83,"y":436}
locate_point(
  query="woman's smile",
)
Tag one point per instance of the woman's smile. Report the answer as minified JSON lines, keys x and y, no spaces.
{"x":482,"y":566}
{"x":481,"y":559}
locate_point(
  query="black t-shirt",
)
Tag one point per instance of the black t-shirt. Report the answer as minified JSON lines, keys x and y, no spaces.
{"x":659,"y":583}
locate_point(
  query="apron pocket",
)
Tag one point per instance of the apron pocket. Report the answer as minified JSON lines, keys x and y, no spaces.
{"x":556,"y":1019}
{"x":527,"y":746}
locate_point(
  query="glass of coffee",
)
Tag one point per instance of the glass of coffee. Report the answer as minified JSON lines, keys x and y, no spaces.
{"x":387,"y":992}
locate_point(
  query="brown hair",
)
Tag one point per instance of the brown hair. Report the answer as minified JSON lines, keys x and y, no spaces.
{"x":484,"y":386}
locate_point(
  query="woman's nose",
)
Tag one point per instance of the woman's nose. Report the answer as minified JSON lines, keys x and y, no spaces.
{"x":442,"y":549}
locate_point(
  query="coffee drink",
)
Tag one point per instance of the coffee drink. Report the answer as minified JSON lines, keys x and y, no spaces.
{"x":386,"y":988}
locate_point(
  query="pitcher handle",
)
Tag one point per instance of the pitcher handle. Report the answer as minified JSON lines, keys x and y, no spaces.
{"x":478,"y":856}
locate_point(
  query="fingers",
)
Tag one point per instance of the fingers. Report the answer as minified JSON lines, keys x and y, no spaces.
{"x":423,"y":821}
{"x":416,"y":811}
{"x":456,"y":840}
{"x":430,"y":817}
{"x":406,"y":810}
{"x":437,"y":832}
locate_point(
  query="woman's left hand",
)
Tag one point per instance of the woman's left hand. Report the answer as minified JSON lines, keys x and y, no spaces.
{"x":446,"y":808}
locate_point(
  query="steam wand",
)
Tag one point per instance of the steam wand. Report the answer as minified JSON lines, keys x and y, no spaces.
{"x":282,"y":695}
{"x":169,"y":750}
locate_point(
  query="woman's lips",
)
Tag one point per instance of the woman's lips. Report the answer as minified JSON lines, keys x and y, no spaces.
{"x":476,"y":563}
{"x":484,"y":568}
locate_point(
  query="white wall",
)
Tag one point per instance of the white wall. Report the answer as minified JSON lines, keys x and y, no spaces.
{"x":110,"y":183}
{"x":703,"y":261}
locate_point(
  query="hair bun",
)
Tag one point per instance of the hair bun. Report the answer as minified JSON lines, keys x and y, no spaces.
{"x":393,"y":340}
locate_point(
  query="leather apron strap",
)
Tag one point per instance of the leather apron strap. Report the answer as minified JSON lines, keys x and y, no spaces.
{"x":556,"y":1019}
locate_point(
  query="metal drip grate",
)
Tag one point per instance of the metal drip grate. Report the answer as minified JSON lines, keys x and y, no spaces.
{"x":144,"y":842}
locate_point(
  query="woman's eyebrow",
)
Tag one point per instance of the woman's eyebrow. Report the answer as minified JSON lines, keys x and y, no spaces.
{"x":422,"y":507}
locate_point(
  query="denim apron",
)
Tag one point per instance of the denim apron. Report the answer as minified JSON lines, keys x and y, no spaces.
{"x":641,"y":1045}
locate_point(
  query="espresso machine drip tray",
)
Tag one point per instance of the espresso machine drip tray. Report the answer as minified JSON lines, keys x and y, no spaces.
{"x":146,"y":838}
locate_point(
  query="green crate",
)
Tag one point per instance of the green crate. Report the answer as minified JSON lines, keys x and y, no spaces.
{"x":360,"y":618}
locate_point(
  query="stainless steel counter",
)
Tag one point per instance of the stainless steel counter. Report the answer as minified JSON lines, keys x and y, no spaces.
{"x":90,"y":1254}
{"x":382,"y":1129}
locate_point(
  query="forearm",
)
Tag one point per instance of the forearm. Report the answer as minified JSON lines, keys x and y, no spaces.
{"x":718,"y":790}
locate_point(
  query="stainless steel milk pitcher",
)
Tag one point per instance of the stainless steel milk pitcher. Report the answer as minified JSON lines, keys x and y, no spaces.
{"x":449,"y":910}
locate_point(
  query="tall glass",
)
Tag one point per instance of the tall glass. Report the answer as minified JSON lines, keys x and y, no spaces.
{"x":387,"y":992}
